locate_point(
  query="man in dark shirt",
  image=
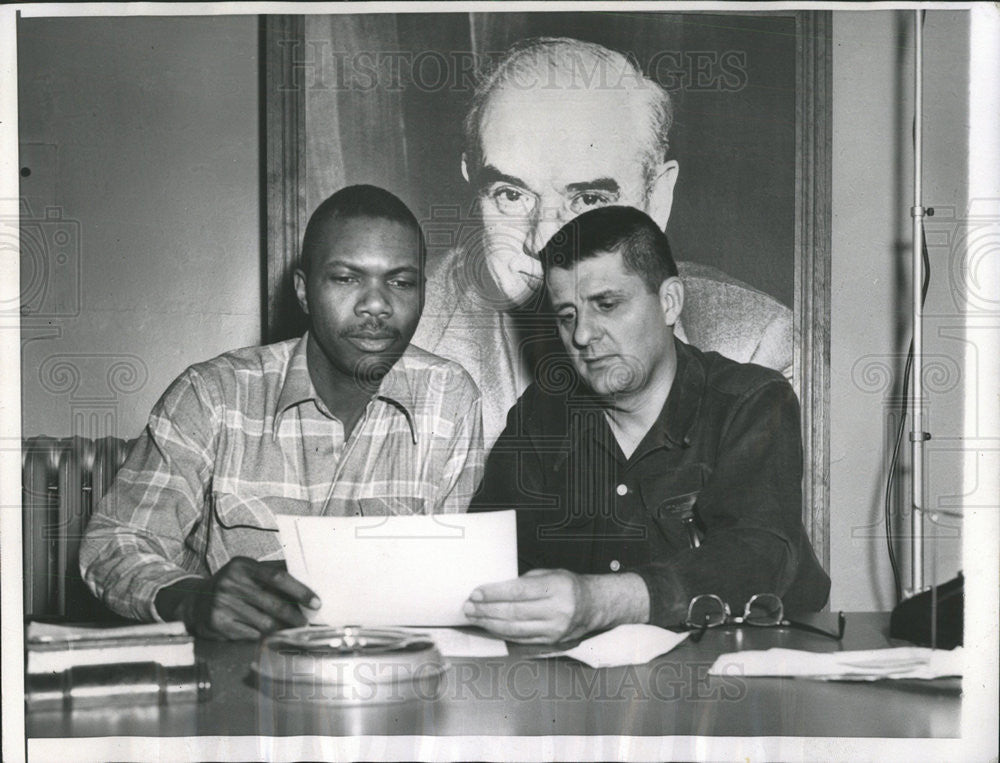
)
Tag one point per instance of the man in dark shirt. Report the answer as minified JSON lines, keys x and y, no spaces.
{"x":647,"y":472}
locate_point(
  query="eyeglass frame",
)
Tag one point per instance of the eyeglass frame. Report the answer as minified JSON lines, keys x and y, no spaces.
{"x":730,"y":619}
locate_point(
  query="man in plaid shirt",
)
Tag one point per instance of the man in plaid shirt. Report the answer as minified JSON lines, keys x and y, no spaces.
{"x":348,"y":420}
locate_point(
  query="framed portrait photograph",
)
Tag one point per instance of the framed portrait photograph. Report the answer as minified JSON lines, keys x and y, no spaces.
{"x":382,"y":99}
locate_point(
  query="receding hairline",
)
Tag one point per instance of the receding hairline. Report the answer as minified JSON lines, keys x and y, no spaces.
{"x":630,"y":96}
{"x":651,"y":104}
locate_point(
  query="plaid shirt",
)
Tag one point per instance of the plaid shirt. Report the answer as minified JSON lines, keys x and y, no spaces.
{"x":240,"y":438}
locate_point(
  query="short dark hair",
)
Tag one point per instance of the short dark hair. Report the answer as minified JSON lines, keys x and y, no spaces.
{"x":367,"y":201}
{"x":643,"y":246}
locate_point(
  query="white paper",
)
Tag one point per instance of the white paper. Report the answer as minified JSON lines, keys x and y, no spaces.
{"x":398,"y":570}
{"x":168,"y":655}
{"x":455,"y":643}
{"x":633,"y":644}
{"x":864,"y":665}
{"x":45,"y":632}
{"x":54,"y":648}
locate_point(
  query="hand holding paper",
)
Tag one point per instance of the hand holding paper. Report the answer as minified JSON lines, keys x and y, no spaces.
{"x":398,"y":570}
{"x":245,"y":599}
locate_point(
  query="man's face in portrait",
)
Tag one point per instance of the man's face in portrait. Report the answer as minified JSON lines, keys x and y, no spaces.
{"x":615,"y":329}
{"x":363,"y":292}
{"x":549,"y":155}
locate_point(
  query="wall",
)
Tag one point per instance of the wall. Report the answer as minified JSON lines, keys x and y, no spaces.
{"x":144,"y":133}
{"x":870,"y":299}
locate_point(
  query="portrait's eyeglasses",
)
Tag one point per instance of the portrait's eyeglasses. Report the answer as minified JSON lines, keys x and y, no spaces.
{"x":764,"y":610}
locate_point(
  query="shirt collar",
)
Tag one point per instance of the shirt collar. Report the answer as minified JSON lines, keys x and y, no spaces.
{"x":296,"y":387}
{"x":679,"y":412}
{"x":683,"y":403}
{"x":396,"y":388}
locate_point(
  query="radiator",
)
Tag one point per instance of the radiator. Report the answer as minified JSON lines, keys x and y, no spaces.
{"x":62,"y":481}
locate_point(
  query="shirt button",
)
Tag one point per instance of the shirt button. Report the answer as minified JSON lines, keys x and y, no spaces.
{"x":615,"y":565}
{"x":622,"y":489}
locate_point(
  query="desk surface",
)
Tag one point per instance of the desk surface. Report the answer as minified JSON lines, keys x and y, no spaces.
{"x":516,"y":695}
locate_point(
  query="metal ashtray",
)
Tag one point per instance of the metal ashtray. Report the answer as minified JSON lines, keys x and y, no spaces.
{"x":349,"y":665}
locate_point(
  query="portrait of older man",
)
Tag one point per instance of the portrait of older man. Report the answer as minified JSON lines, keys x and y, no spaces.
{"x":559,"y":127}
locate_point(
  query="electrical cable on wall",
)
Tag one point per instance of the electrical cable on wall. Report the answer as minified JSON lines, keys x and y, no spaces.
{"x":893,"y":461}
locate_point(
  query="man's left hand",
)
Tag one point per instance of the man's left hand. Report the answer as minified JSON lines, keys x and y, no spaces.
{"x":548,"y":606}
{"x":540,"y":607}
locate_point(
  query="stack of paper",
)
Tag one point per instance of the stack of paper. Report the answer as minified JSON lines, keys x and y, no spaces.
{"x":55,"y":648}
{"x":868,"y":665}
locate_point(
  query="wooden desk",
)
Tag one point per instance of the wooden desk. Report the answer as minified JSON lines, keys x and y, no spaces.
{"x":516,"y":695}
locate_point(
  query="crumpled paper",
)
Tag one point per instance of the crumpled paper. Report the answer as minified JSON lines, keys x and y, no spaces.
{"x":633,"y":644}
{"x":865,"y":665}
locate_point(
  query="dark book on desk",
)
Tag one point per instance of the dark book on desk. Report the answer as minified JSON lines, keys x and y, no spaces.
{"x":56,"y":648}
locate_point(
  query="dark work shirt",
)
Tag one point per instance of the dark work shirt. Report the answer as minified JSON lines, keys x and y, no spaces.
{"x":709,"y":502}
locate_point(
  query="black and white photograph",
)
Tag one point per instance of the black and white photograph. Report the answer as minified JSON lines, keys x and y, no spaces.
{"x":332,"y":426}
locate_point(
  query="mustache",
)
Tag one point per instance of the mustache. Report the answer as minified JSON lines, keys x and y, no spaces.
{"x":372,"y":329}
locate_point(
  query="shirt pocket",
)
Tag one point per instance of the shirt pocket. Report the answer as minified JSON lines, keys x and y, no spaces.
{"x":242,"y":526}
{"x":670,"y":499}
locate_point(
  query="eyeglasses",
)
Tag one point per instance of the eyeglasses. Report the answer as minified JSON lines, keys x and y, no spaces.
{"x":764,"y":610}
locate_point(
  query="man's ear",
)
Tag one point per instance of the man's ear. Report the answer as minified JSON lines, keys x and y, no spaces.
{"x":661,"y":193}
{"x":299,"y":279}
{"x":465,"y":168}
{"x":672,"y":299}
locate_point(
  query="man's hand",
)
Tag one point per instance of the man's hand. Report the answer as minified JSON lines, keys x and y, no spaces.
{"x":244,"y":600}
{"x":548,"y":606}
{"x":540,"y":607}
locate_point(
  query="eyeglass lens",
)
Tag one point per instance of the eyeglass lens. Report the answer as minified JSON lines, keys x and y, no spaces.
{"x":764,"y":609}
{"x":707,"y":612}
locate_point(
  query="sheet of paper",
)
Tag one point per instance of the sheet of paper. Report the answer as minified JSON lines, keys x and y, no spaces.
{"x":866,"y":665}
{"x":625,"y":645}
{"x":399,"y":570}
{"x":451,"y":642}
